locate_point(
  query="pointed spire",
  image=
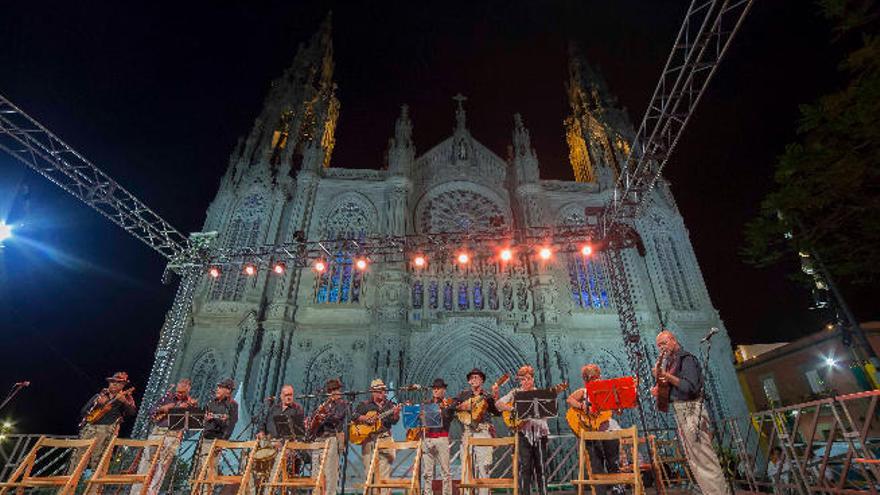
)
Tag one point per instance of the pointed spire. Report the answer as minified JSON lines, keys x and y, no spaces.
{"x":401,"y":151}
{"x":522,"y":142}
{"x":460,"y":116}
{"x":403,"y":128}
{"x":524,"y":158}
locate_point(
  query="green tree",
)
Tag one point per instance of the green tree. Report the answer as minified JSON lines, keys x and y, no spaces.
{"x":826,"y":197}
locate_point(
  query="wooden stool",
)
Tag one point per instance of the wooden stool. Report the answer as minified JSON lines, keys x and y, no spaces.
{"x":374,"y":478}
{"x":209,"y":476}
{"x":469,"y":482}
{"x":633,"y":477}
{"x":102,"y":475}
{"x":280,"y":477}
{"x":24,"y":477}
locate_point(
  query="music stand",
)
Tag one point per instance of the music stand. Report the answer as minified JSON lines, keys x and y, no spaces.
{"x":185,"y":418}
{"x":286,"y":428}
{"x":614,"y":394}
{"x":422,"y":416}
{"x":535,"y":404}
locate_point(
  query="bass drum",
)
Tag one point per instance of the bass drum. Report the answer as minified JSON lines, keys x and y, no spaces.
{"x":264,"y":460}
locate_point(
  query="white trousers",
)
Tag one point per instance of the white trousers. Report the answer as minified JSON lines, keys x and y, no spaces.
{"x":435,"y":454}
{"x":696,"y":437}
{"x":482,"y":456}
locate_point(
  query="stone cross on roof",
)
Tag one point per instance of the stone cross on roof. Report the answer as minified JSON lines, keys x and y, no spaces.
{"x":459,"y":111}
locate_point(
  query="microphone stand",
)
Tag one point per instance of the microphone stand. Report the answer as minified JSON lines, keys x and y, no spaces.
{"x":12,"y":393}
{"x":712,"y":426}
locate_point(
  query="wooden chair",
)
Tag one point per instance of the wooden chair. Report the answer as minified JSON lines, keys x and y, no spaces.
{"x":633,"y":477}
{"x":102,"y":475}
{"x":25,"y":477}
{"x":651,"y":463}
{"x":208,"y":473}
{"x":469,"y":483}
{"x":673,"y":465}
{"x":280,"y":477}
{"x":374,"y":479}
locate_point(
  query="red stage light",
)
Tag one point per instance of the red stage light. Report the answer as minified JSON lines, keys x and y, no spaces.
{"x":214,"y":272}
{"x":279,"y":268}
{"x":545,"y":253}
{"x":361,"y":264}
{"x":420,"y":261}
{"x":463,"y":258}
{"x":319,"y":266}
{"x":250,"y":270}
{"x":587,"y":250}
{"x":506,"y":254}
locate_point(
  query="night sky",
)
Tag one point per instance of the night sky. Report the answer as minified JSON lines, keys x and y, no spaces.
{"x":156,"y":95}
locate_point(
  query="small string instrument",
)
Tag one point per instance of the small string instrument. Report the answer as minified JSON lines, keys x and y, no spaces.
{"x":580,"y":420}
{"x":97,"y":412}
{"x":513,"y":423}
{"x":317,"y":419}
{"x":161,"y":415}
{"x":663,"y":389}
{"x":479,"y":405}
{"x":417,"y":433}
{"x":359,"y":432}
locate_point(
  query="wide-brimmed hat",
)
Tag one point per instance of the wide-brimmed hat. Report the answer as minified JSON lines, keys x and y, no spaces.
{"x":119,"y":377}
{"x":475,"y":371}
{"x":377,"y":385}
{"x":228,"y":384}
{"x":333,"y":384}
{"x":438,"y":383}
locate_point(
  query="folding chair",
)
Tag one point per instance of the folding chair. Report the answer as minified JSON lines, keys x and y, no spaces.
{"x":592,"y":479}
{"x":102,"y":475}
{"x":208,"y":471}
{"x":281,"y":477}
{"x":674,"y":468}
{"x":648,"y":463}
{"x":374,"y":477}
{"x":469,"y":483}
{"x":25,"y":477}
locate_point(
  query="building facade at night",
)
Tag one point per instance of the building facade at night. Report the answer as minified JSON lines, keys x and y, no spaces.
{"x":409,"y":325}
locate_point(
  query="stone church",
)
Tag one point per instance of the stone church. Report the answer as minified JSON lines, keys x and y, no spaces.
{"x":409,"y":324}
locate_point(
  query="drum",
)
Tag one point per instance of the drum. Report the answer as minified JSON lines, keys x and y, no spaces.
{"x":264,"y":460}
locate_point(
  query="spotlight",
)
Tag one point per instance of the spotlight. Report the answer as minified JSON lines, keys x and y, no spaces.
{"x":361,"y":264}
{"x":463,"y":258}
{"x":250,"y":270}
{"x":545,"y":253}
{"x":214,"y":272}
{"x":419,"y":261}
{"x":5,"y":231}
{"x":830,"y":362}
{"x":587,"y":250}
{"x":7,"y":425}
{"x":319,"y":266}
{"x":279,"y":268}
{"x":506,"y":254}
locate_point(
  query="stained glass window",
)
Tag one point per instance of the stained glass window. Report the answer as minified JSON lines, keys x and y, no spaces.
{"x":433,"y":294}
{"x":478,"y":294}
{"x":417,"y":294}
{"x":463,"y":296}
{"x":447,"y":296}
{"x":588,"y":283}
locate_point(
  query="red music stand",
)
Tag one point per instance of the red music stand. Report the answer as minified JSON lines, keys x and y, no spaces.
{"x":614,"y":394}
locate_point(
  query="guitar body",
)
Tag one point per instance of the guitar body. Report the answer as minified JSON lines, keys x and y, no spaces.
{"x":514,"y":423}
{"x":663,"y":389}
{"x":413,"y":434}
{"x":579,"y":420}
{"x":479,"y":406}
{"x":99,"y":412}
{"x":358,"y":433}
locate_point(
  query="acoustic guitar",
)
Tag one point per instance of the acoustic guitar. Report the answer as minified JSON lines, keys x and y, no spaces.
{"x":479,"y":406}
{"x":663,"y":389}
{"x":514,"y":423}
{"x":417,"y":433}
{"x":359,"y":432}
{"x":97,"y":412}
{"x":579,"y":420}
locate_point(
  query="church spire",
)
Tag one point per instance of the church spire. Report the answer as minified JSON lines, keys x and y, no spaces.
{"x":401,"y":151}
{"x":524,"y":159}
{"x":460,"y":116}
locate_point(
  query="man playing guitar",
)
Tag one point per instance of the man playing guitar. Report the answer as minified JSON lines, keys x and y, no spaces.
{"x":177,"y":398}
{"x":221,"y":414}
{"x":103,"y":413}
{"x":327,"y":422}
{"x":436,"y":442}
{"x":532,"y":433}
{"x":479,"y":427}
{"x":604,"y":454}
{"x":366,"y":413}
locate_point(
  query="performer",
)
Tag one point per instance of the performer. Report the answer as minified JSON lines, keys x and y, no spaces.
{"x":102,"y":415}
{"x":378,"y":404}
{"x":604,"y":454}
{"x":684,"y":377}
{"x":286,"y":407}
{"x":328,"y":422}
{"x":532,"y":433}
{"x":479,"y":427}
{"x":178,"y":398}
{"x":221,"y":414}
{"x":436,"y":441}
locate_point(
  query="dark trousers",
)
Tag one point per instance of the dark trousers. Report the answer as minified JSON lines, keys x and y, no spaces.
{"x":604,"y":458}
{"x":531,"y":465}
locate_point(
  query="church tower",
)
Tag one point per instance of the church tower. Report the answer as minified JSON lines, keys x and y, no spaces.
{"x":598,"y":131}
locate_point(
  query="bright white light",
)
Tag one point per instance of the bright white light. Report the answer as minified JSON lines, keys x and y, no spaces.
{"x":830,"y":362}
{"x":5,"y":231}
{"x":419,"y":261}
{"x":463,"y":258}
{"x":214,"y":272}
{"x":361,"y":264}
{"x":250,"y":270}
{"x":545,"y":253}
{"x":319,"y":266}
{"x":279,"y":268}
{"x":586,"y":250}
{"x":7,"y":425}
{"x":506,"y":255}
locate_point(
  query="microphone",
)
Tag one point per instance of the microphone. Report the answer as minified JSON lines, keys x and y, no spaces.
{"x":413,"y":387}
{"x":712,"y":331}
{"x":23,"y":384}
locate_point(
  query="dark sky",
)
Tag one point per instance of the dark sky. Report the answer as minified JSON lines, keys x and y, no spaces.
{"x":157,"y":94}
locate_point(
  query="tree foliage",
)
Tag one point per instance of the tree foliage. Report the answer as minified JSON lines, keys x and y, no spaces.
{"x":826,"y":197}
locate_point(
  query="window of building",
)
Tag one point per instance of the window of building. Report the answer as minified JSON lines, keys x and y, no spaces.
{"x":588,"y":282}
{"x":770,"y":390}
{"x":817,"y":384}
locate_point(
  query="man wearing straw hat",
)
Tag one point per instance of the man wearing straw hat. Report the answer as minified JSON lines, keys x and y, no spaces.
{"x":378,"y":403}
